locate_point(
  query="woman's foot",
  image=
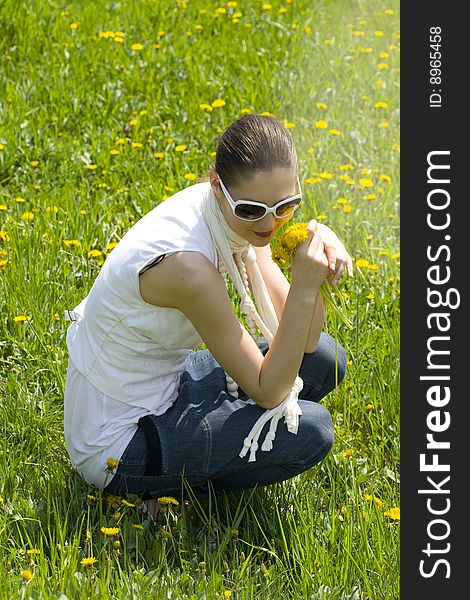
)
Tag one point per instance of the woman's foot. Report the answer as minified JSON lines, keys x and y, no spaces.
{"x":151,"y":508}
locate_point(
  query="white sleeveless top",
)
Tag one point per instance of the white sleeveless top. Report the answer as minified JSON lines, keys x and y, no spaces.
{"x":126,"y":356}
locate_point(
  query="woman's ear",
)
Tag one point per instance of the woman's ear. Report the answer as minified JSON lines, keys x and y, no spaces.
{"x":213,"y":178}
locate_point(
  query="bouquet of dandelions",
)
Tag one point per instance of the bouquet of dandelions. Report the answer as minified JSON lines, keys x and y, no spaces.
{"x":284,"y":248}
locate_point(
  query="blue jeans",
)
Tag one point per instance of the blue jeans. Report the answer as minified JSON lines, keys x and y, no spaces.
{"x":202,"y":434}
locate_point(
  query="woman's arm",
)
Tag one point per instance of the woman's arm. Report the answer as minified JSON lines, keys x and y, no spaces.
{"x":278,"y":288}
{"x":189,"y":282}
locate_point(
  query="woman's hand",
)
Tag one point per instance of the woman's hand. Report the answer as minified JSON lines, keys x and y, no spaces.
{"x":338,"y":258}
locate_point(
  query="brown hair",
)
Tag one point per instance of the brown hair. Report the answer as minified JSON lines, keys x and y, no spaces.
{"x":253,"y":143}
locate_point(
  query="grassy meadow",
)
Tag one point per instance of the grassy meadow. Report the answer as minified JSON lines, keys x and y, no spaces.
{"x":106,"y":109}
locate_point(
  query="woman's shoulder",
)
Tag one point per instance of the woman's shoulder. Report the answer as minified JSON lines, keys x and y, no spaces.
{"x":182,"y":274}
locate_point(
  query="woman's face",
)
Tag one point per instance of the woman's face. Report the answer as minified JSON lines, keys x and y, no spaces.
{"x":267,"y":187}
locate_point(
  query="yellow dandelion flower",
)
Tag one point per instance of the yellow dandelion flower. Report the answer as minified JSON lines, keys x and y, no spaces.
{"x":370,"y":296}
{"x":3,"y":262}
{"x":136,"y":145}
{"x":75,"y":25}
{"x":347,"y":208}
{"x":113,"y":501}
{"x":369,"y":197}
{"x":369,"y":407}
{"x":114,"y":152}
{"x":393,"y":513}
{"x":110,"y":530}
{"x":285,"y":246}
{"x":121,"y":142}
{"x":227,"y":594}
{"x":111,"y":462}
{"x":321,"y":124}
{"x":346,"y":167}
{"x":321,"y":105}
{"x":198,"y":27}
{"x":386,"y":178}
{"x":366,"y":50}
{"x":205,"y":106}
{"x":366,"y":182}
{"x":362,"y":262}
{"x":382,"y":66}
{"x":91,"y":166}
{"x":221,"y":10}
{"x":326,"y":175}
{"x":1,"y":146}
{"x":371,"y":498}
{"x":289,"y":125}
{"x":167,"y":500}
{"x":311,"y":180}
{"x":34,"y":163}
{"x":335,"y":132}
{"x":4,"y":236}
{"x":322,"y":217}
{"x":357,"y":33}
{"x":33,"y":552}
{"x":378,"y":33}
{"x":328,"y":42}
{"x":347,"y":453}
{"x":381,"y":104}
{"x":118,"y":39}
{"x":213,"y":154}
{"x":384,"y":55}
{"x":136,"y":47}
{"x":341,"y":201}
{"x":267,"y":114}
{"x":389,"y":11}
{"x":246,"y":111}
{"x":267,"y":6}
{"x":88,"y":561}
{"x":72,"y":243}
{"x":159,"y":154}
{"x":26,"y":575}
{"x":373,"y":267}
{"x":383,"y":124}
{"x":129,"y":504}
{"x":21,"y":318}
{"x":190,"y":176}
{"x":282,"y":10}
{"x":27,"y":216}
{"x":95,"y":252}
{"x":218,"y":103}
{"x":133,"y":122}
{"x":3,"y":207}
{"x":180,"y":148}
{"x":396,"y":256}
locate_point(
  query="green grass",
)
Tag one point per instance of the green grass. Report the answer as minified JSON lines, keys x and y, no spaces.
{"x":68,"y":96}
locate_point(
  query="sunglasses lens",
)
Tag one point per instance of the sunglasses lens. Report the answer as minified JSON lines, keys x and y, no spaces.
{"x":249,"y":211}
{"x":286,"y":209}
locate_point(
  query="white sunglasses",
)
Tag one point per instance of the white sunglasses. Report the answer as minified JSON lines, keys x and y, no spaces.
{"x":248,"y":210}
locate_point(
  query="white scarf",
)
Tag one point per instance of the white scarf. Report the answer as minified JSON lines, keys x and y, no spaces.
{"x":239,"y":259}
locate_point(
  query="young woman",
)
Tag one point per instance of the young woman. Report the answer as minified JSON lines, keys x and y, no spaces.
{"x":145,"y":413}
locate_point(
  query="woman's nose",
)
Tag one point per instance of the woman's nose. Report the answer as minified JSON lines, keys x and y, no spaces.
{"x":268,"y":222}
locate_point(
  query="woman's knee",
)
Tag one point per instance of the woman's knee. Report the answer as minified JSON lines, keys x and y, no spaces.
{"x":323,"y":369}
{"x":318,"y":431}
